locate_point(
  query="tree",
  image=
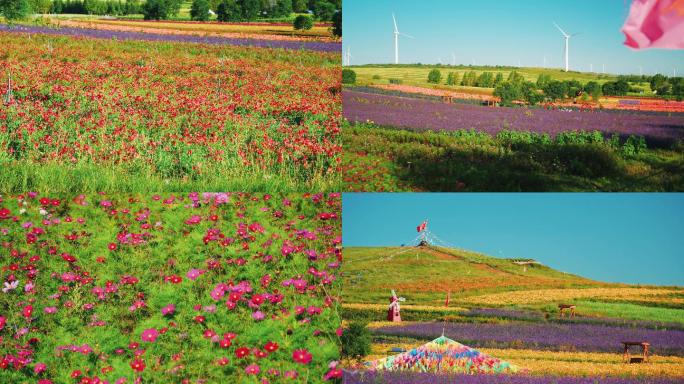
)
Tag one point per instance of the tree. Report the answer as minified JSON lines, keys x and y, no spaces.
{"x":452,"y":79}
{"x":199,"y":10}
{"x":574,"y":88}
{"x":14,"y":9}
{"x":299,"y":6}
{"x":337,"y":24}
{"x":249,"y":9}
{"x":530,"y":94}
{"x":40,"y":6}
{"x":608,"y":88}
{"x":356,"y":341}
{"x":543,"y":79}
{"x":324,"y":10}
{"x":657,"y":81}
{"x":435,"y":76}
{"x":302,"y":22}
{"x":469,"y":79}
{"x":283,"y":8}
{"x":555,"y":90}
{"x":155,"y":10}
{"x":516,"y":78}
{"x":228,"y":10}
{"x":508,"y":92}
{"x":348,"y":76}
{"x":594,"y":89}
{"x":498,"y":80}
{"x":57,"y":6}
{"x":486,"y":80}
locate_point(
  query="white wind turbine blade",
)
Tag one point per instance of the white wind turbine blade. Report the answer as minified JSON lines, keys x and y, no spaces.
{"x":405,"y":35}
{"x":396,"y":29}
{"x":561,"y":30}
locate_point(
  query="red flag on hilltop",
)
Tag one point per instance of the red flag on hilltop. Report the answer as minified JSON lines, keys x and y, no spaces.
{"x":422,"y":226}
{"x":446,"y":303}
{"x":655,"y":24}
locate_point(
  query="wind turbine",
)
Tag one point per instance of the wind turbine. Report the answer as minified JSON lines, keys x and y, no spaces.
{"x":567,"y":46}
{"x":348,"y":56}
{"x":396,"y":39}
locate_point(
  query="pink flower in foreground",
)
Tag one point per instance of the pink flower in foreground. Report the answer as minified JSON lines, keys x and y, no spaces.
{"x":168,"y":310}
{"x":150,"y":335}
{"x":194,"y":273}
{"x":252,"y":369}
{"x":258,"y":316}
{"x":39,"y":368}
{"x":50,"y":309}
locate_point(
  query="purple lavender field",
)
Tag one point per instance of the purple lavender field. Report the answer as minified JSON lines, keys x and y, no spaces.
{"x":128,"y":35}
{"x":546,"y":336}
{"x":422,"y":114}
{"x":356,"y":377}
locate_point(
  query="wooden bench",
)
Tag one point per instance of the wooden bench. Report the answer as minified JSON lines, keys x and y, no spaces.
{"x":563,"y":307}
{"x":637,"y":359}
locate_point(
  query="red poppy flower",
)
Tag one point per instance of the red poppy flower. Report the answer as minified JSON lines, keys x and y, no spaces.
{"x":112,"y":246}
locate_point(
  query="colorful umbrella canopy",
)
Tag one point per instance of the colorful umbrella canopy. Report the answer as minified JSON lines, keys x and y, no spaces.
{"x":443,"y":355}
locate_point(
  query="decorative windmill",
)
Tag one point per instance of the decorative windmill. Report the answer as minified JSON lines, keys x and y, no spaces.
{"x":393,"y":313}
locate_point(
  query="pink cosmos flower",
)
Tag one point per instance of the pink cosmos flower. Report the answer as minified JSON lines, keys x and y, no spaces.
{"x":50,"y":309}
{"x":252,"y":369}
{"x":194,"y":273}
{"x":39,"y":368}
{"x":258,"y":316}
{"x":150,"y":335}
{"x":168,"y":310}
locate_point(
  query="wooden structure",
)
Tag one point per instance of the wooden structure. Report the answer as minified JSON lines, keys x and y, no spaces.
{"x":566,"y":307}
{"x":637,"y":359}
{"x":448,"y":99}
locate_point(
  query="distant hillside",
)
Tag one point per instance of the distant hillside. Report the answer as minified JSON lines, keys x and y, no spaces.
{"x":424,"y":274}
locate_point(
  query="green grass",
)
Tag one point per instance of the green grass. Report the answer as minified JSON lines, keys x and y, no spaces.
{"x":424,"y":275}
{"x":417,"y":75}
{"x":469,"y":161}
{"x":21,"y":177}
{"x":632,"y":311}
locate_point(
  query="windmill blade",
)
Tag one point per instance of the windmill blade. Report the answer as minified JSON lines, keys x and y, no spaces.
{"x":560,"y":29}
{"x":575,"y":34}
{"x":409,"y":36}
{"x":396,"y":29}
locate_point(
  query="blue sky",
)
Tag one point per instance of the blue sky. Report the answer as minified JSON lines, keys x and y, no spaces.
{"x":500,"y":32}
{"x":630,"y":238}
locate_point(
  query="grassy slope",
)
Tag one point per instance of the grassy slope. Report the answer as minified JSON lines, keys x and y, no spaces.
{"x":424,"y":275}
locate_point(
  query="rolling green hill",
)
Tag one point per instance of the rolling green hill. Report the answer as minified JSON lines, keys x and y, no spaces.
{"x":377,"y":74}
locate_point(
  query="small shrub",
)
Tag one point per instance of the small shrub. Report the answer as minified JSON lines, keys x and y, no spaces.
{"x":395,"y":81}
{"x":348,"y":76}
{"x":356,"y":341}
{"x":302,"y":22}
{"x":377,"y":77}
{"x":435,"y":76}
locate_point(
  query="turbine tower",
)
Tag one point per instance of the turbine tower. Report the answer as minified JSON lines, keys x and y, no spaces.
{"x":348,"y":56}
{"x":567,"y":46}
{"x":396,"y":39}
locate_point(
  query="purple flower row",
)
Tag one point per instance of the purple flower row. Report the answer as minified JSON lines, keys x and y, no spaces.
{"x":526,"y":315}
{"x":362,"y":377}
{"x":214,"y":40}
{"x":547,"y":336}
{"x":421,"y":114}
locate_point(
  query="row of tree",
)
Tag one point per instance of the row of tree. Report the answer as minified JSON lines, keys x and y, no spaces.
{"x":515,"y":87}
{"x":229,"y":10}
